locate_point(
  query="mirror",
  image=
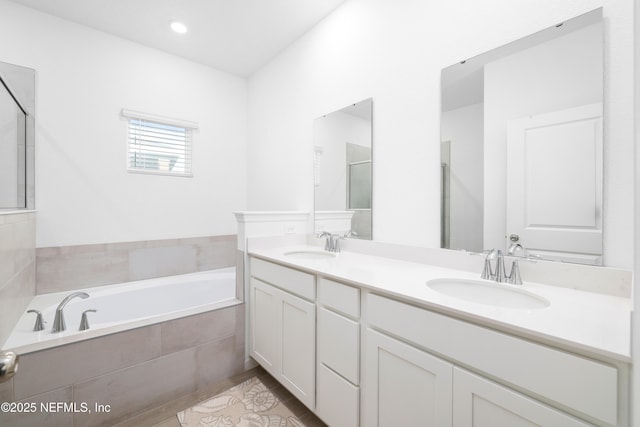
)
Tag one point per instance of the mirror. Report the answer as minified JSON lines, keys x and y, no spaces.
{"x":521,"y":145}
{"x":17,"y":137}
{"x":342,"y":171}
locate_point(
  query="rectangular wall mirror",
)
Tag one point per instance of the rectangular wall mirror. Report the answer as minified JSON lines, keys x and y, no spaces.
{"x":342,"y":171}
{"x":521,"y":145}
{"x":17,"y":137}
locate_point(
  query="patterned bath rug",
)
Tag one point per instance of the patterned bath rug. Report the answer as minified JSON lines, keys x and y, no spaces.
{"x":249,"y":404}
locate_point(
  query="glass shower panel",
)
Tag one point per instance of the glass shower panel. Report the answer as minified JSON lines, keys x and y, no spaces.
{"x":360,"y":185}
{"x":12,"y":152}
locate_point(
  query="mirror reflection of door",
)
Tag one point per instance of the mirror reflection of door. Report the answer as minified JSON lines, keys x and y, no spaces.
{"x":554,"y":70}
{"x":554,"y":184}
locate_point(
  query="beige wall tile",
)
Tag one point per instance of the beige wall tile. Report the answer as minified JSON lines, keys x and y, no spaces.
{"x":19,"y":217}
{"x":161,"y":261}
{"x":25,"y":244}
{"x":15,"y":296}
{"x":219,"y":252}
{"x":76,"y":267}
{"x":56,"y":367}
{"x":17,"y":269}
{"x":6,"y":391}
{"x":137,"y":388}
{"x":194,"y":330}
{"x":216,"y":361}
{"x":7,"y":253}
{"x":40,"y":417}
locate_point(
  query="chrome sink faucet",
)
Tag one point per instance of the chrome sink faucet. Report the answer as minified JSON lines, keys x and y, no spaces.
{"x":499,"y":274}
{"x":58,"y":322}
{"x":327,"y":244}
{"x":332,"y":243}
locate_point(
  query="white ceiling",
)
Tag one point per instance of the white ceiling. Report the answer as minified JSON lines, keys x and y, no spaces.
{"x":237,"y":36}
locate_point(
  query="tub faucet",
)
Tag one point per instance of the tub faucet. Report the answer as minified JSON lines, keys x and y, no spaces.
{"x":58,"y":322}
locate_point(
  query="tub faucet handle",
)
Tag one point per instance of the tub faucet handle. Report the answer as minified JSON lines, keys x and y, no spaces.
{"x":39,"y":325}
{"x":84,"y":322}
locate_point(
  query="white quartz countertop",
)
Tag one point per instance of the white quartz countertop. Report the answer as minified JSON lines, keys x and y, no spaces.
{"x":585,"y":322}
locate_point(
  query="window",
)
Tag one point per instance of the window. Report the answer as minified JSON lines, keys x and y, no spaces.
{"x":158,"y":144}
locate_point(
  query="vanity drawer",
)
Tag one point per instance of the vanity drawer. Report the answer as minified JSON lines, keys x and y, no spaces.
{"x":337,"y":400}
{"x":576,"y":382}
{"x":294,"y":281}
{"x":342,"y":298}
{"x":338,"y":344}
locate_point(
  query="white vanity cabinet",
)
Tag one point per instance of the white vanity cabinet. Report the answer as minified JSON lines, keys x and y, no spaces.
{"x":359,"y":358}
{"x":405,"y":386}
{"x":550,"y":383}
{"x":338,"y":367}
{"x":479,"y":402}
{"x":283,"y":326}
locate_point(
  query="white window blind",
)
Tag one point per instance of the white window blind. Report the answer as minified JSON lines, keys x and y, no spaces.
{"x":159,"y":145}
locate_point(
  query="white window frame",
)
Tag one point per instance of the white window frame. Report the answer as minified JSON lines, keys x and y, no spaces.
{"x":188,"y":126}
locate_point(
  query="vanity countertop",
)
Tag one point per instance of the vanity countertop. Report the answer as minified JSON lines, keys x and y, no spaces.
{"x":586,"y":322}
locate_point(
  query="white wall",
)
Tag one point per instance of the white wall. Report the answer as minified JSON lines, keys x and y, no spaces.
{"x":464,"y":128}
{"x":393,"y":52}
{"x":83,"y":79}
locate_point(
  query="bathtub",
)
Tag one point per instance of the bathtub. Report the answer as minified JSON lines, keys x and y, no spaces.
{"x":124,"y":306}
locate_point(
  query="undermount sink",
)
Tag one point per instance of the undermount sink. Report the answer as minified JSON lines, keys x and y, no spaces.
{"x":487,"y":293}
{"x":310,"y":254}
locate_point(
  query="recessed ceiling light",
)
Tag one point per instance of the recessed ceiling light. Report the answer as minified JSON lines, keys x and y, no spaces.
{"x":178,"y":27}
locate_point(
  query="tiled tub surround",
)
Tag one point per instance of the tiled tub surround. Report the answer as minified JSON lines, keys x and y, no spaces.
{"x":17,"y":268}
{"x":130,"y":371}
{"x":74,"y":267}
{"x":125,"y":306}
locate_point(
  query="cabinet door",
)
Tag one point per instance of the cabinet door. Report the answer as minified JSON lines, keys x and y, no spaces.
{"x":265,"y":326}
{"x":479,"y":402}
{"x":298,"y":326}
{"x":405,"y":386}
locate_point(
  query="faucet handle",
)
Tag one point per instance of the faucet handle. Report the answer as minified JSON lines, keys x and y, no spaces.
{"x":335,"y":242}
{"x":84,"y":322}
{"x":487,"y":274}
{"x":39,"y":325}
{"x":514,"y":277}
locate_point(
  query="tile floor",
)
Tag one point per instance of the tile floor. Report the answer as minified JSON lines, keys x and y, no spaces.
{"x":165,"y":416}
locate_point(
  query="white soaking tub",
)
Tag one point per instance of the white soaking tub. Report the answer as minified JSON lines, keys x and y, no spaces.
{"x":124,"y":306}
